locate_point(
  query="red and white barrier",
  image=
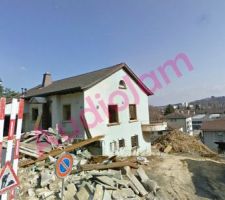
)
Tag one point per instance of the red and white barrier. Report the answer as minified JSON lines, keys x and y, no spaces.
{"x":15,"y":110}
{"x":2,"y":117}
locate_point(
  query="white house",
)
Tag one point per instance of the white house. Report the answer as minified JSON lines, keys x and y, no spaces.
{"x":180,"y":121}
{"x":112,"y":101}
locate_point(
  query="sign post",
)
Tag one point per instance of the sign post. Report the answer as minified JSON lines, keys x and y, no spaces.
{"x":63,"y":168}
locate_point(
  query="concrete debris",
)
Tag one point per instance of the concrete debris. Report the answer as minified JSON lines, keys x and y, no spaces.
{"x":102,"y":182}
{"x":98,"y":193}
{"x":83,"y":194}
{"x":123,"y":194}
{"x":47,"y":177}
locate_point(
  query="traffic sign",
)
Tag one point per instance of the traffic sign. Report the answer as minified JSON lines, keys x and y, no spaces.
{"x":8,"y":178}
{"x":64,"y":165}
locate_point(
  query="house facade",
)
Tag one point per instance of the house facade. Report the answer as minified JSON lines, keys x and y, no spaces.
{"x":112,"y":102}
{"x":213,"y":134}
{"x":180,"y":121}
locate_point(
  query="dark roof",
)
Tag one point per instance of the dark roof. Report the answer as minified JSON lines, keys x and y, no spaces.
{"x":83,"y":82}
{"x":215,"y":125}
{"x":177,"y":115}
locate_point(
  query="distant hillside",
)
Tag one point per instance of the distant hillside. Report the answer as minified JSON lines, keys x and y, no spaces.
{"x":211,"y":104}
{"x":210,"y":101}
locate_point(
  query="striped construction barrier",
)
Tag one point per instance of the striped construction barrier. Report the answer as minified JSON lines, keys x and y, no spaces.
{"x":13,"y":138}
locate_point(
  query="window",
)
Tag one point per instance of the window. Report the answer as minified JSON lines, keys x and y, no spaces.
{"x":34,"y":114}
{"x":113,"y":146}
{"x":133,"y":112}
{"x":66,"y":112}
{"x":122,"y":84}
{"x":113,"y":114}
{"x":134,"y":141}
{"x":121,"y":143}
{"x":220,"y":137}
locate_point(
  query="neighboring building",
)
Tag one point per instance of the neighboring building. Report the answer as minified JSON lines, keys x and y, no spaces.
{"x":197,"y":121}
{"x":180,"y":121}
{"x":213,"y":134}
{"x":112,"y":102}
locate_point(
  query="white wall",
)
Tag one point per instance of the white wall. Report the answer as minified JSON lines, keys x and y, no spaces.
{"x":73,"y":127}
{"x":125,"y":129}
{"x":186,"y":124}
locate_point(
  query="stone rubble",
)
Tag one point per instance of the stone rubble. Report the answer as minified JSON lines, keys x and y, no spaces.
{"x":40,"y":182}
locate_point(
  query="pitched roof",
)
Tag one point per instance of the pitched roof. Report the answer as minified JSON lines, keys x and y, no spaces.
{"x":177,"y":115}
{"x":83,"y":81}
{"x":215,"y":125}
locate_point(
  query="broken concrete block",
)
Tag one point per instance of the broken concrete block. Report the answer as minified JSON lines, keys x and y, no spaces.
{"x":135,"y":181}
{"x":82,"y":194}
{"x":68,"y":195}
{"x":99,"y":193}
{"x":71,"y":188}
{"x":150,"y":185}
{"x":44,"y":193}
{"x":107,"y":195}
{"x":34,"y":180}
{"x":116,"y":173}
{"x":31,"y":192}
{"x":122,"y":183}
{"x":106,"y":187}
{"x":141,"y":173}
{"x":55,"y":186}
{"x":123,"y":194}
{"x":89,"y":188}
{"x":131,"y":185}
{"x":106,"y":180}
{"x":47,"y":177}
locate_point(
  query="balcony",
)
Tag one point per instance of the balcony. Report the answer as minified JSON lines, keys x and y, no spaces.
{"x":154,"y":127}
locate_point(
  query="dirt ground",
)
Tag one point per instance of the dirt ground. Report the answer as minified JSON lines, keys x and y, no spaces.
{"x":185,"y":177}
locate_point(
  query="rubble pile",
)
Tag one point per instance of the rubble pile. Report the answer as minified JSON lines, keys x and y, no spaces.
{"x":110,"y":178}
{"x":181,"y":142}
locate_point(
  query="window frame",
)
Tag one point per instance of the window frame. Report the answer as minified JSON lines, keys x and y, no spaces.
{"x":32,"y":114}
{"x":135,"y":112}
{"x":116,"y":121}
{"x":64,"y":117}
{"x":122,"y":84}
{"x":134,"y":144}
{"x":121,"y":143}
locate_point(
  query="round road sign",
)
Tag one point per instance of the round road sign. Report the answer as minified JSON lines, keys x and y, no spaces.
{"x":64,"y":165}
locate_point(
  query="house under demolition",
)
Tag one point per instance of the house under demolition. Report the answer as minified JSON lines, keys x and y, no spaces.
{"x":112,"y":101}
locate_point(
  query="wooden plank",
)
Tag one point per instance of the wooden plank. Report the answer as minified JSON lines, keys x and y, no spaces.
{"x":56,"y":152}
{"x":135,"y":181}
{"x":85,"y":125}
{"x":34,"y":155}
{"x":89,"y":167}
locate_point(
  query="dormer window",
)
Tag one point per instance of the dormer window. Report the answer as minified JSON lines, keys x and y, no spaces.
{"x":122,"y":84}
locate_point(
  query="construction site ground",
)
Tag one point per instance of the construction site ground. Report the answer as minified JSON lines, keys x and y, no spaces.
{"x":187,"y":177}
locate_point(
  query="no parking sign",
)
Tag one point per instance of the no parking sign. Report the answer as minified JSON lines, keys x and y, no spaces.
{"x":63,"y":168}
{"x":64,"y":165}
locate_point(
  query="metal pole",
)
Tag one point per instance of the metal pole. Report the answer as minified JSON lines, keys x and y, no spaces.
{"x":62,"y":197}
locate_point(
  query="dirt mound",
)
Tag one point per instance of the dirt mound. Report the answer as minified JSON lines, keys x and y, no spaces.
{"x":181,"y":142}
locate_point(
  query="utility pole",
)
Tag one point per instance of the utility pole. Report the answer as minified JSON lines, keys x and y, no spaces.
{"x":1,"y":88}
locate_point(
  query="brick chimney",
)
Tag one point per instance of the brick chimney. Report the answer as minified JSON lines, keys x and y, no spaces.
{"x":47,"y":79}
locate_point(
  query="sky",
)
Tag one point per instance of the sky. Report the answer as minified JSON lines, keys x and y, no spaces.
{"x":70,"y":37}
